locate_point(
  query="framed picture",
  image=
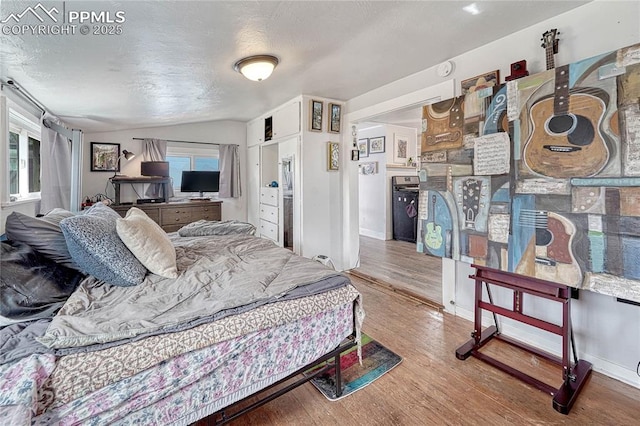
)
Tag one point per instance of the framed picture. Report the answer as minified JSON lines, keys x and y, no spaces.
{"x":315,"y":120}
{"x":400,"y":149}
{"x":363,"y":147}
{"x":335,"y":112}
{"x":368,"y":168}
{"x":104,"y":157}
{"x":333,"y":156}
{"x":376,"y":145}
{"x":482,"y":84}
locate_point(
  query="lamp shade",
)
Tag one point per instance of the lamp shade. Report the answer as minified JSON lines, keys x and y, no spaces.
{"x":128,"y":154}
{"x":256,"y":68}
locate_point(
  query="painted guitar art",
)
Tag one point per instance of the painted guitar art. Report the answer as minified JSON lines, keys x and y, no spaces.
{"x":443,"y":123}
{"x":565,"y":140}
{"x":554,"y":259}
{"x":433,"y":236}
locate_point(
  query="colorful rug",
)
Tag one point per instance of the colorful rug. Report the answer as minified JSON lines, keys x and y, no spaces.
{"x":376,"y":361}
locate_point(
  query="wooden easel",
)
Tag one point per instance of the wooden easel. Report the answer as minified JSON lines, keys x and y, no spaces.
{"x":574,"y":374}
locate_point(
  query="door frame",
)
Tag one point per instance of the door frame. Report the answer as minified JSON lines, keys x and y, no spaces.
{"x":350,"y":190}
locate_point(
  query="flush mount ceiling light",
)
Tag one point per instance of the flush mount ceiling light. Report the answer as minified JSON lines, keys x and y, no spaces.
{"x":256,"y":68}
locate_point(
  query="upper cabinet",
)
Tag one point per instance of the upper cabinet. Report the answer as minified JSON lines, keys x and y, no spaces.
{"x":286,"y":120}
{"x":255,"y":132}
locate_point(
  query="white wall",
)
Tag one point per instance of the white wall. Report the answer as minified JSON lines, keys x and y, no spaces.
{"x":607,"y":332}
{"x":374,"y":194}
{"x":222,"y":132}
{"x":321,"y":197}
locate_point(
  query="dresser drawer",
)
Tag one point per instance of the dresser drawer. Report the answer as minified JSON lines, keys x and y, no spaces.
{"x":176,"y":215}
{"x":269,"y":196}
{"x":269,"y":213}
{"x":205,"y":212}
{"x":269,"y":230}
{"x":173,"y":216}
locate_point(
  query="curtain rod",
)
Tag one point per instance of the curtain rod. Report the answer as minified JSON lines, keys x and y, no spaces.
{"x":199,"y":143}
{"x":24,"y":94}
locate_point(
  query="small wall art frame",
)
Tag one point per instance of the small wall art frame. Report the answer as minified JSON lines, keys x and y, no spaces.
{"x":335,"y":115}
{"x":315,"y":117}
{"x":363,"y":147}
{"x":104,"y":157}
{"x":400,"y":149}
{"x":368,"y":168}
{"x":333,"y":156}
{"x":376,"y":145}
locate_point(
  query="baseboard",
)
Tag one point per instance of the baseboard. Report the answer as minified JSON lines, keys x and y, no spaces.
{"x":373,"y":234}
{"x":522,"y":334}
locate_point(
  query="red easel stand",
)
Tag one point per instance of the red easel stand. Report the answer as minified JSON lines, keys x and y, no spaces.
{"x":574,"y":375}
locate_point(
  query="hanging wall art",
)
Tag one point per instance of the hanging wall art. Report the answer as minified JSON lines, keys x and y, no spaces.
{"x":543,"y":179}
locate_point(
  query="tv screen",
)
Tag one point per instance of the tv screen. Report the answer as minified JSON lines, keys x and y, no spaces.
{"x":200,"y":181}
{"x":154,"y":168}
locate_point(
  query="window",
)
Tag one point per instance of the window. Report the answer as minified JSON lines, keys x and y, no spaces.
{"x":24,"y":156}
{"x":197,"y":157}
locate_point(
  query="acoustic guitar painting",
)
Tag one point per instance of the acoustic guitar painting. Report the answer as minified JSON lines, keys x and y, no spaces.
{"x":442,"y":123}
{"x":554,"y":259}
{"x":565,"y":139}
{"x":433,"y":235}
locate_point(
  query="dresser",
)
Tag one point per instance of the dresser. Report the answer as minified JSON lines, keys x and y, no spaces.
{"x":173,"y":216}
{"x":269,"y":213}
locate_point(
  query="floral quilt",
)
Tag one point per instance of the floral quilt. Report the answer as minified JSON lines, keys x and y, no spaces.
{"x":198,"y":383}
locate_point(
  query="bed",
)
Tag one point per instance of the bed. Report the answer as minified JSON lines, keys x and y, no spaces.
{"x":213,"y":316}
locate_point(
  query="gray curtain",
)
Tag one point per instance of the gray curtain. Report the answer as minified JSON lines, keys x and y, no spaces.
{"x":229,"y":172}
{"x":155,"y":150}
{"x":55,"y":167}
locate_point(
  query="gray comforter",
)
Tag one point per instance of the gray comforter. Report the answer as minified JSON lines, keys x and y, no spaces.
{"x":215,"y":273}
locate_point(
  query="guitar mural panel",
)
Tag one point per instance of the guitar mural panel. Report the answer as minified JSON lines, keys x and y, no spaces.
{"x":564,"y":203}
{"x":442,"y":125}
{"x":437,"y":229}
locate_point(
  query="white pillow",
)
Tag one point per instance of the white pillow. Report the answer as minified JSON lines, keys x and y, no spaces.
{"x":148,"y":243}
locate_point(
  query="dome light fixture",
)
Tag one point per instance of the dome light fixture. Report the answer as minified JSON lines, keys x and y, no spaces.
{"x":256,"y":68}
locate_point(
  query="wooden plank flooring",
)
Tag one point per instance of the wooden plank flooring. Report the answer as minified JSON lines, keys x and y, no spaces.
{"x":432,"y":387}
{"x":399,"y":265}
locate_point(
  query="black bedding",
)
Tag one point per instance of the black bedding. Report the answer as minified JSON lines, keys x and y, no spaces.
{"x":32,"y":286}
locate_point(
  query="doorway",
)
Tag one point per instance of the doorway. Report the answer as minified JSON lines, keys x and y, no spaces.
{"x":393,"y":263}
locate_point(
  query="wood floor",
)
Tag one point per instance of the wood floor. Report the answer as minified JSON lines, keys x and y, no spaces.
{"x":432,"y":387}
{"x":399,"y":265}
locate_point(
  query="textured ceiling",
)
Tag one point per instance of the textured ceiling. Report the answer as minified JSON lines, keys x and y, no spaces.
{"x":173,"y":61}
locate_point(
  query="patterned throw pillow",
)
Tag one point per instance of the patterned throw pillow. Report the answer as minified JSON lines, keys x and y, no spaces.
{"x":94,"y":245}
{"x":148,"y":242}
{"x":43,"y":234}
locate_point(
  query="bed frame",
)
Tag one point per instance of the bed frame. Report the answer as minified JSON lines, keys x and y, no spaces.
{"x":272,"y":391}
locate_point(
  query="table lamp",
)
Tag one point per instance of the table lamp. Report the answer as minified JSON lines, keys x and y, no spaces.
{"x":128,"y":155}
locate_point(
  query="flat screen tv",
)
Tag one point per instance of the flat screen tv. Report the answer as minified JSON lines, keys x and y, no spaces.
{"x":200,"y":181}
{"x":154,"y":168}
